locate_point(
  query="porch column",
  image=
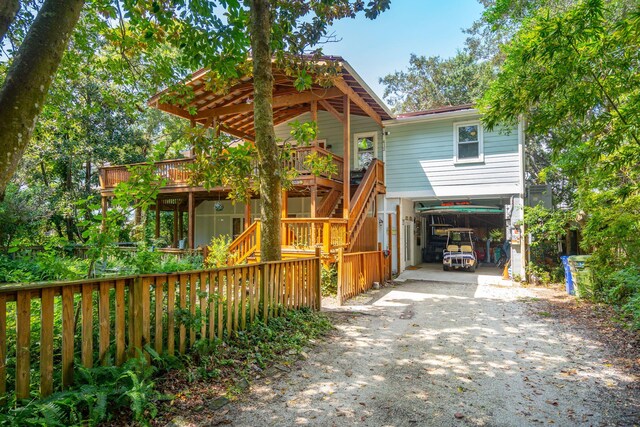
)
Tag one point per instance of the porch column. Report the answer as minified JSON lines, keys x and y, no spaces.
{"x":175,"y":226}
{"x":104,"y":205}
{"x":285,"y":214}
{"x":157,"y":232}
{"x":192,"y":221}
{"x":346,"y":139}
{"x":314,"y":117}
{"x":314,"y":200}
{"x":180,"y":224}
{"x":247,"y":213}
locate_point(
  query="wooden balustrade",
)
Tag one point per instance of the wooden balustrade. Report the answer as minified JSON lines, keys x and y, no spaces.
{"x":120,"y":316}
{"x":357,"y":271}
{"x":308,"y":233}
{"x":176,"y":172}
{"x":245,"y":245}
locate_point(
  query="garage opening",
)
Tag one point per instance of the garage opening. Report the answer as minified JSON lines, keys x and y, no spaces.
{"x":486,"y":220}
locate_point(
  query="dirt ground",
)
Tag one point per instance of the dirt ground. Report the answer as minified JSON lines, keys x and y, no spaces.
{"x":447,"y":354}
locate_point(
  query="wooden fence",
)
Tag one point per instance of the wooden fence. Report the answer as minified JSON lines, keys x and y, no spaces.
{"x":118,"y":317}
{"x":357,"y":271}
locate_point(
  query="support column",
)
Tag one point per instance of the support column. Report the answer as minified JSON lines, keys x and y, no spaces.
{"x":192,"y":221}
{"x":157,"y":232}
{"x":285,"y":214}
{"x":346,"y":139}
{"x":398,"y":243}
{"x":247,"y":213}
{"x":314,"y":201}
{"x":180,"y":224}
{"x":104,"y":205}
{"x":314,"y":117}
{"x":175,"y":226}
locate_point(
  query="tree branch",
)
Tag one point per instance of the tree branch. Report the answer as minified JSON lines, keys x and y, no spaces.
{"x":8,"y":11}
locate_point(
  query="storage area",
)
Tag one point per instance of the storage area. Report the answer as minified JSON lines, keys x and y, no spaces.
{"x":487,"y":221}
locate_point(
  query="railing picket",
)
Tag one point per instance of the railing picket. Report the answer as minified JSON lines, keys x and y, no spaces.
{"x":87,"y":325}
{"x":46,"y":341}
{"x":104,"y":319}
{"x":23,"y":332}
{"x":219,"y":285}
{"x":158,"y":337}
{"x":228,"y":285}
{"x":203,"y":305}
{"x":183,"y":306}
{"x":193,"y":278}
{"x":212,"y":306}
{"x":171,"y":325}
{"x":243,"y":300}
{"x":68,"y":332}
{"x":146,"y":314}
{"x":120,"y":322}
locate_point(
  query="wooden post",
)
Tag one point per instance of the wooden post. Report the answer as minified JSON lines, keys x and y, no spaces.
{"x":264,"y":287}
{"x":346,"y":139}
{"x":247,"y":213}
{"x":326,"y":237}
{"x":380,"y":264}
{"x":192,"y":221}
{"x":390,"y":239}
{"x":314,"y":116}
{"x":104,"y":212}
{"x":318,"y":288}
{"x":340,"y":274}
{"x":157,"y":232}
{"x":314,"y":200}
{"x":175,"y":227}
{"x":136,"y":295}
{"x":398,"y":222}
{"x":23,"y":344}
{"x":180,"y":224}
{"x":285,"y":214}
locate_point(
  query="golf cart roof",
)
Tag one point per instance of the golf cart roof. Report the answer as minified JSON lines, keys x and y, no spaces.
{"x":460,"y":230}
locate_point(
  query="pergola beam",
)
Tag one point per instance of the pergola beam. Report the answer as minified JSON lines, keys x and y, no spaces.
{"x":278,"y":101}
{"x":357,"y":99}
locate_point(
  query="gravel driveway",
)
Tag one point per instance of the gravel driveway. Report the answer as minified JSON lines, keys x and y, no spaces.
{"x":444,"y":354}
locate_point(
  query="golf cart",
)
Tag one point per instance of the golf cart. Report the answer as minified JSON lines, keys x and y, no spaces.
{"x":459,"y":253}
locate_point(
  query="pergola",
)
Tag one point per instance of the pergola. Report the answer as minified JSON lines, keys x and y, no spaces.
{"x":230,"y":109}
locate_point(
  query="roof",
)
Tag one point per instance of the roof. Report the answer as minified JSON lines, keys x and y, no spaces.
{"x":233,"y":105}
{"x":446,"y":109}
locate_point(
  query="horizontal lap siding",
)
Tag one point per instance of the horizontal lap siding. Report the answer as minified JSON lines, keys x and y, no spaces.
{"x":420,"y":158}
{"x":330,"y":128}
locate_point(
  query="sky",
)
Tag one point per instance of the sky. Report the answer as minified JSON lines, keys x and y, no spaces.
{"x":375,"y":48}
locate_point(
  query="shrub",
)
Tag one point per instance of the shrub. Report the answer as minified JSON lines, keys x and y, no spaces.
{"x":218,"y":252}
{"x":329,"y":283}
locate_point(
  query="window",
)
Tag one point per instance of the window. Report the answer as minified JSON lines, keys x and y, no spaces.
{"x":365,"y":149}
{"x":468,"y":145}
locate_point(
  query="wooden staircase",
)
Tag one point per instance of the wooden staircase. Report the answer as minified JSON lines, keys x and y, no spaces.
{"x":300,"y":236}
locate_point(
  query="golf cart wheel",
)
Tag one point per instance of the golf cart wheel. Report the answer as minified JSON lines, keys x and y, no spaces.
{"x":472,"y":269}
{"x":445,"y":268}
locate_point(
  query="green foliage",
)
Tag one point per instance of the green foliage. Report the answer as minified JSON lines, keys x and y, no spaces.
{"x":321,"y":165}
{"x":258,"y":346}
{"x":97,"y":395}
{"x":435,"y":82}
{"x":329,"y":284}
{"x":218,"y":252}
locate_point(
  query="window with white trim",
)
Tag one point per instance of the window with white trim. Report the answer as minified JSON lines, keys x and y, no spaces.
{"x":468,"y":144}
{"x":365,"y":149}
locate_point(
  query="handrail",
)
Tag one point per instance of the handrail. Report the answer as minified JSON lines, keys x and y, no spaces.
{"x":245,"y":245}
{"x":177,"y":173}
{"x":329,"y":203}
{"x":363,"y":193}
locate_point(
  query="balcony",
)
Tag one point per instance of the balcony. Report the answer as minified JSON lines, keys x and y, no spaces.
{"x":177,"y":172}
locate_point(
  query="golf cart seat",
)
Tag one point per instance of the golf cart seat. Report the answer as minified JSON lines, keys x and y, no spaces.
{"x":466,"y":248}
{"x":452,"y":248}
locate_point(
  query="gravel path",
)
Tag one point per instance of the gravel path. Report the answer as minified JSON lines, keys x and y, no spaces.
{"x":443,"y":354}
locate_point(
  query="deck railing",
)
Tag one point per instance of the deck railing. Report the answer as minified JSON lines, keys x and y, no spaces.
{"x":308,"y":233}
{"x":119,"y":316}
{"x":176,"y":172}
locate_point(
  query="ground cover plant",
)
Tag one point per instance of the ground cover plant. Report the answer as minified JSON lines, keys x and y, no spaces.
{"x":145,"y":392}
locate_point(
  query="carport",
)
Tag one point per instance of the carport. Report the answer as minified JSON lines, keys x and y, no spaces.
{"x":434,"y":219}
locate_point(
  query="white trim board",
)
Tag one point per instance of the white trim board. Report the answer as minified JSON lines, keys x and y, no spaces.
{"x":467,"y":191}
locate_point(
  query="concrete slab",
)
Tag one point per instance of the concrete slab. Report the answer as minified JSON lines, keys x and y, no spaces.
{"x":433,"y":272}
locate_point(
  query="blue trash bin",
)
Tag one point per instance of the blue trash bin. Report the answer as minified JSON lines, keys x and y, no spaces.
{"x":568,"y":279}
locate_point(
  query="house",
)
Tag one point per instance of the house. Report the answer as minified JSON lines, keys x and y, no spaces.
{"x":405,"y":175}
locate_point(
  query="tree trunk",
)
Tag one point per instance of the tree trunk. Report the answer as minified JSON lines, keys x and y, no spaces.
{"x":270,"y":181}
{"x":29,"y":77}
{"x":8,"y":11}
